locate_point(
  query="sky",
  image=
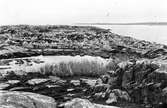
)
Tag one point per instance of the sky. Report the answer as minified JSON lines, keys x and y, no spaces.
{"x":81,"y":11}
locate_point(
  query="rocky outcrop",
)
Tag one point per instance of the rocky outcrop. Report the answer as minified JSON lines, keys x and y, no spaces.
{"x":13,"y":99}
{"x":130,"y":81}
{"x":136,"y":81}
{"x":143,"y":82}
{"x":139,"y":82}
{"x":26,"y":40}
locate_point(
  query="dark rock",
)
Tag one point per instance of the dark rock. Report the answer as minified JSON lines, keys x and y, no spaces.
{"x":101,"y":88}
{"x":105,"y":78}
{"x":153,"y":53}
{"x":112,"y":73}
{"x":142,"y":81}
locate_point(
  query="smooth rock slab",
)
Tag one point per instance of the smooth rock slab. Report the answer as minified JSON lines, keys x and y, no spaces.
{"x":13,"y":99}
{"x":83,"y":103}
{"x":21,"y":89}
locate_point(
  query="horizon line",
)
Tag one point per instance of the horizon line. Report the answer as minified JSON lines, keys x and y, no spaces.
{"x":124,"y":23}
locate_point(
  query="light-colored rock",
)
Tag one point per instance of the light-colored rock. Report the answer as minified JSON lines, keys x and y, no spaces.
{"x":10,"y":106}
{"x":164,"y":91}
{"x":37,"y":81}
{"x":112,"y":99}
{"x":78,"y":103}
{"x":118,"y":95}
{"x":13,"y":82}
{"x":75,"y":82}
{"x":83,"y":103}
{"x":89,"y":82}
{"x":123,"y":95}
{"x":104,"y":106}
{"x":100,"y":95}
{"x":123,"y":65}
{"x":3,"y":86}
{"x":54,"y":78}
{"x":20,"y":88}
{"x":13,"y":99}
{"x":53,"y":86}
{"x":57,"y":80}
{"x":70,"y":89}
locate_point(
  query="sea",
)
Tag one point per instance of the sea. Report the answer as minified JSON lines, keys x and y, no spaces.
{"x":152,"y":33}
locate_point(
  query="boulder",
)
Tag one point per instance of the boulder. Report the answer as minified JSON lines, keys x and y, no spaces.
{"x":83,"y":103}
{"x":13,"y":99}
{"x":112,"y":99}
{"x":78,"y":103}
{"x":118,"y":95}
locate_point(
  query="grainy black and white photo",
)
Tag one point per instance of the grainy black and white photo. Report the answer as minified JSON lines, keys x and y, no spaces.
{"x":83,"y":53}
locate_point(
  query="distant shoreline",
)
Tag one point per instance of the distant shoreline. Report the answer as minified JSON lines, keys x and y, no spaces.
{"x":136,"y":23}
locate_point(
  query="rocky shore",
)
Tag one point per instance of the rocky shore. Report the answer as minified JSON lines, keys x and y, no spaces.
{"x":25,"y":41}
{"x":133,"y":82}
{"x":138,"y":80}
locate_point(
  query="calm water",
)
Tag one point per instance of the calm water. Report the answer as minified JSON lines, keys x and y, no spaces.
{"x":144,"y":32}
{"x":13,"y":65}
